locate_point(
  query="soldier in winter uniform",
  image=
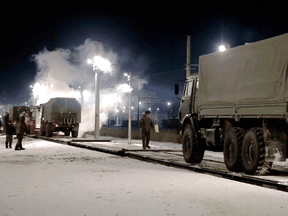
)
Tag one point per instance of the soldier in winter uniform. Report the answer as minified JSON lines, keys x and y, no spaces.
{"x":145,"y":124}
{"x":6,"y":118}
{"x":10,"y":130}
{"x":21,"y":128}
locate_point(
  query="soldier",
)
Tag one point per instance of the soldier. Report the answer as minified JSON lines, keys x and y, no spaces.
{"x":10,"y":130}
{"x":145,"y":124}
{"x":21,"y":128}
{"x":6,"y":118}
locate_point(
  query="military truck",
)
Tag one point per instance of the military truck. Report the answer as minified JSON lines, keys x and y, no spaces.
{"x":238,"y":99}
{"x":60,"y":114}
{"x":35,"y":120}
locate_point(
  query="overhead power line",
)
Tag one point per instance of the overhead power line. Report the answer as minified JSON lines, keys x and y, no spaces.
{"x":164,"y":72}
{"x":183,"y":69}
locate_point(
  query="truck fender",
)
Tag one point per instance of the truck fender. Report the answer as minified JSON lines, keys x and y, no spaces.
{"x":189,"y":120}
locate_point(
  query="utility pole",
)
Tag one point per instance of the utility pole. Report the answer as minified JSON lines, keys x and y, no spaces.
{"x":188,"y":61}
{"x":138,"y":104}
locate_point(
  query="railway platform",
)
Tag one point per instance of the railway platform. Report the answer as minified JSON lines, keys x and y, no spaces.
{"x":170,"y":154}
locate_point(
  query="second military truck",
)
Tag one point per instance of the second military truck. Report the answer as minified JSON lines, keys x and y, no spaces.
{"x":239,"y":99}
{"x":60,"y":114}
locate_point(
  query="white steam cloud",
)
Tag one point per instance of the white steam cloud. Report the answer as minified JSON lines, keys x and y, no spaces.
{"x":66,"y":73}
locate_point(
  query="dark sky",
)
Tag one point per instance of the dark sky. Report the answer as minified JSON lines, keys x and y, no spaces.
{"x":157,"y":32}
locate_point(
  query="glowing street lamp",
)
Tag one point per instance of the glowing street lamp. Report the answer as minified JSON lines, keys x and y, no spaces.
{"x":168,"y":104}
{"x":157,"y":114}
{"x":222,"y":48}
{"x":129,"y":115}
{"x":99,"y":64}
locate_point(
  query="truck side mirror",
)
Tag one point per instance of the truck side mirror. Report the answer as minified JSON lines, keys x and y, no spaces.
{"x":176,"y":89}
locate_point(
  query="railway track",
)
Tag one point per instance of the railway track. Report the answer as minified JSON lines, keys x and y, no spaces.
{"x":277,"y":179}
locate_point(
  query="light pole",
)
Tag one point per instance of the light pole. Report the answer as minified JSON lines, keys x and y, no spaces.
{"x":129,"y":115}
{"x":117,"y":119}
{"x":81,"y":95}
{"x":157,"y":115}
{"x":34,"y":98}
{"x":168,"y":104}
{"x":99,"y":64}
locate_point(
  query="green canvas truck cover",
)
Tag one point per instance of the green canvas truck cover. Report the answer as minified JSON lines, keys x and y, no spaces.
{"x":61,"y":105}
{"x":253,"y":72}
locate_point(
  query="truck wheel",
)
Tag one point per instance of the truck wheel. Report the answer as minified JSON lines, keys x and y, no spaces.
{"x":42,"y":132}
{"x":193,"y":151}
{"x":233,"y":149}
{"x":74,"y":134}
{"x":253,"y":153}
{"x":67,"y":133}
{"x":48,"y":131}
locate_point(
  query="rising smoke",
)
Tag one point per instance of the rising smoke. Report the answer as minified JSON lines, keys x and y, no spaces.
{"x":66,"y":73}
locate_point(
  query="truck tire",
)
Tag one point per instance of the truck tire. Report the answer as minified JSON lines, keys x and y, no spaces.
{"x":233,"y":149}
{"x":193,"y":151}
{"x":74,"y":134}
{"x":48,"y":131}
{"x":42,"y":132}
{"x":67,"y":133}
{"x":253,"y":153}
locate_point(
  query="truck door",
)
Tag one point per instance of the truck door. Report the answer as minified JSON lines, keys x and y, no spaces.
{"x":195,"y":100}
{"x":185,"y":106}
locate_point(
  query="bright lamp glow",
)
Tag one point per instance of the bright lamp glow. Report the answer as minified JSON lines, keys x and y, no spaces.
{"x":222,"y":48}
{"x":102,"y":64}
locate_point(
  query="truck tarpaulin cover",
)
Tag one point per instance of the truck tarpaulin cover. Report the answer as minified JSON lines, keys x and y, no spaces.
{"x":62,"y":105}
{"x":252,"y":72}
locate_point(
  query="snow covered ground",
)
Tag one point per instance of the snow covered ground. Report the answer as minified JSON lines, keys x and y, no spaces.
{"x":54,"y":179}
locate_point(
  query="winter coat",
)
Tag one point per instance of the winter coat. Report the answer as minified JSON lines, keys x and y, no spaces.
{"x":20,"y":128}
{"x":10,"y":130}
{"x":146,"y":124}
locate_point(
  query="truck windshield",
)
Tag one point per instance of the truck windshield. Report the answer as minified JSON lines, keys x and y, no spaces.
{"x":188,"y":89}
{"x":197,"y":87}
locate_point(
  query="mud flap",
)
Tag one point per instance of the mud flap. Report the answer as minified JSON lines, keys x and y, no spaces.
{"x":275,"y":151}
{"x":275,"y":139}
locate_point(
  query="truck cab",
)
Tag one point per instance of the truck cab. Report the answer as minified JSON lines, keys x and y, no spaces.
{"x":188,"y":104}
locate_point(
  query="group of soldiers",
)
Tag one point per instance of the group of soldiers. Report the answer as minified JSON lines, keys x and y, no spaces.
{"x":19,"y":130}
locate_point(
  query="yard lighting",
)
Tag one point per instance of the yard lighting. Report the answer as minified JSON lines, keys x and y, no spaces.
{"x":99,"y":64}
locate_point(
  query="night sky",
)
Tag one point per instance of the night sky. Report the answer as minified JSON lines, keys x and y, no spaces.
{"x":155,"y":34}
